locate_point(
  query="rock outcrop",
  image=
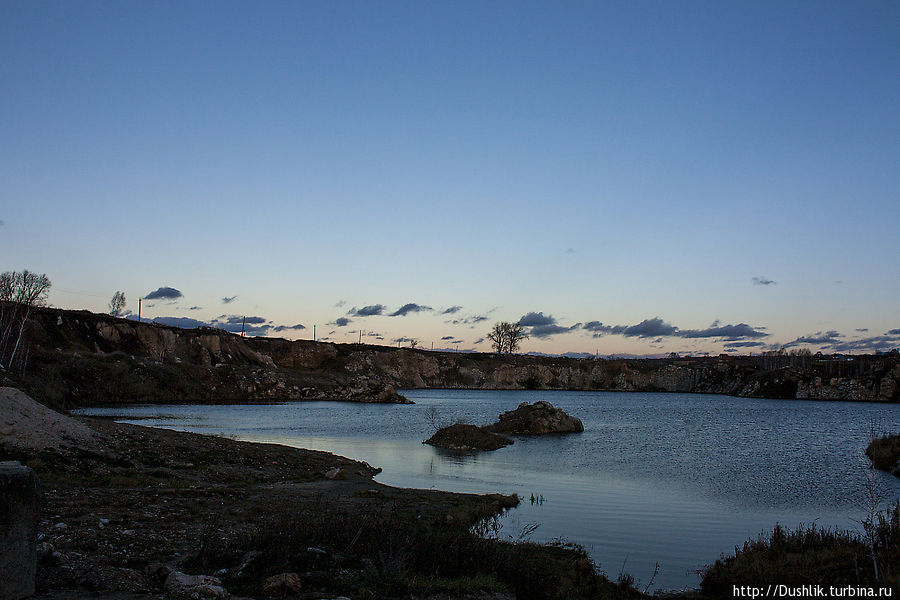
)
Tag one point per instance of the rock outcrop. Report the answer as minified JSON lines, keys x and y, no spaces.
{"x":20,"y":506}
{"x":461,"y":436}
{"x":77,"y":358}
{"x":536,"y":419}
{"x":369,"y":392}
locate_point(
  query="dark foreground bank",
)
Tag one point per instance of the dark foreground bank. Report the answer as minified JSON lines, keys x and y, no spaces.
{"x":128,"y":506}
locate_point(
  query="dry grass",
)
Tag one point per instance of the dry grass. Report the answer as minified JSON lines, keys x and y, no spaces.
{"x":810,"y":555}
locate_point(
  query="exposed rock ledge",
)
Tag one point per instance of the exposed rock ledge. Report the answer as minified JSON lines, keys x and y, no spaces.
{"x":536,"y":419}
{"x":369,"y":393}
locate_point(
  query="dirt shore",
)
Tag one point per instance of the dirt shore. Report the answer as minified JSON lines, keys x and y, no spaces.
{"x":137,"y":504}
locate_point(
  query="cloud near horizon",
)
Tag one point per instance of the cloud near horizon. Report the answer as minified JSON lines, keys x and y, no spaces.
{"x":837,"y":342}
{"x":367,"y":311}
{"x":543,"y":326}
{"x":411,"y":307}
{"x":228,"y":299}
{"x":656,"y":327}
{"x":296,"y":327}
{"x":164,"y":293}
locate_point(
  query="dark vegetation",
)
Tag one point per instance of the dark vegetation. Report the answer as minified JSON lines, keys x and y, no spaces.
{"x":390,"y":552}
{"x":884,"y":452}
{"x":810,"y":555}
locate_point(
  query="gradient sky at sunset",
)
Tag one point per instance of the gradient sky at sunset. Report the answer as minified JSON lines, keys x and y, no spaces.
{"x":637,"y":177}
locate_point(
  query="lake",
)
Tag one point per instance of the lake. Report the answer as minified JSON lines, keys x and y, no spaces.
{"x":673,"y":479}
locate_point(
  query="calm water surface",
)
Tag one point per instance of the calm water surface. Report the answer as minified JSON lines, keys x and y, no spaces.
{"x":676,"y":479}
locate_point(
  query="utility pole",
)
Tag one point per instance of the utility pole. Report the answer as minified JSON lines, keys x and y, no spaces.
{"x":243,"y":322}
{"x":139,"y":309}
{"x":314,"y":333}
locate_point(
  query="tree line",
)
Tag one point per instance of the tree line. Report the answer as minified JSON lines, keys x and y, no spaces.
{"x":20,"y":293}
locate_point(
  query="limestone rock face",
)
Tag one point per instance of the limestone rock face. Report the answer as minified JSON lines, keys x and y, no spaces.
{"x":20,"y":506}
{"x":467,"y":437}
{"x":536,"y":419}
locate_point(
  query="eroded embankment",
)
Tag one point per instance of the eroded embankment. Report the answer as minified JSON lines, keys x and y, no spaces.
{"x":77,"y":358}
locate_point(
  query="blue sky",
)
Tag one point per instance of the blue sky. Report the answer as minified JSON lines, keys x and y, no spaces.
{"x":621,"y":171}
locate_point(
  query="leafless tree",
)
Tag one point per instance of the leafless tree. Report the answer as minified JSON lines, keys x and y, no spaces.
{"x":117,"y":304}
{"x":20,"y":292}
{"x":506,"y":337}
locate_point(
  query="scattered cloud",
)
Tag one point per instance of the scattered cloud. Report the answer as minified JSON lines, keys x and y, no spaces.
{"x":2,"y":222}
{"x":196,"y":308}
{"x":452,"y":310}
{"x":543,"y":326}
{"x":878,"y":343}
{"x":865,"y":329}
{"x":164,"y":293}
{"x":479,"y":341}
{"x":818,"y":338}
{"x":648,"y":328}
{"x":367,"y":311}
{"x":238,"y":319}
{"x":732,"y":332}
{"x":340,"y":303}
{"x":893,"y":332}
{"x":296,"y":327}
{"x":448,"y":337}
{"x":534,"y":319}
{"x":341,"y":322}
{"x":251,"y":325}
{"x":744,"y":344}
{"x":182,"y":322}
{"x":228,"y":299}
{"x":570,"y":250}
{"x":657,"y":328}
{"x":763,"y":281}
{"x":411,"y":307}
{"x":545,"y":331}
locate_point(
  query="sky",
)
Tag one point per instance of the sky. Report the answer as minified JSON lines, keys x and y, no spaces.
{"x":620,"y":178}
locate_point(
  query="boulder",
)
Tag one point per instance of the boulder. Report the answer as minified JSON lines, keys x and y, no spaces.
{"x":20,"y":506}
{"x":467,"y":437}
{"x":536,"y":419}
{"x":193,"y":587}
{"x":284,"y":584}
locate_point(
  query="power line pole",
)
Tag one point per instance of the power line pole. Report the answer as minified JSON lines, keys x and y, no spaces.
{"x":243,"y":322}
